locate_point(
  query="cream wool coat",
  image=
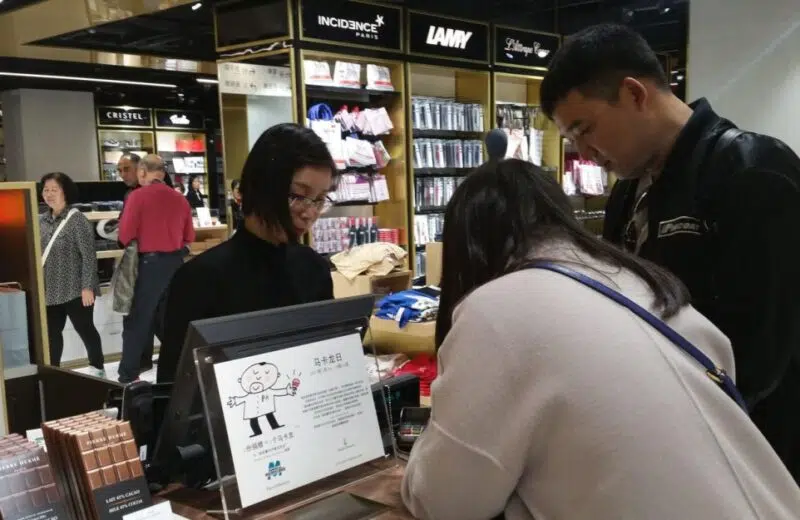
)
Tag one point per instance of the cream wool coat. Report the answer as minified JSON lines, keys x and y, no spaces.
{"x":555,"y":403}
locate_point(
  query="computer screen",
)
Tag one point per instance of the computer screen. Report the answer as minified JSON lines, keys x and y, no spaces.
{"x":183,"y":450}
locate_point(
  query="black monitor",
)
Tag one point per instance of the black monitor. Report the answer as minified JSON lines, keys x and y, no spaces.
{"x":183,"y":450}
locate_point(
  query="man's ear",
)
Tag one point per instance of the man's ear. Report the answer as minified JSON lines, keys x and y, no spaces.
{"x":633,"y":92}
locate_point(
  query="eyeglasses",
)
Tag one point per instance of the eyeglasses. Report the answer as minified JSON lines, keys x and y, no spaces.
{"x":321,"y":205}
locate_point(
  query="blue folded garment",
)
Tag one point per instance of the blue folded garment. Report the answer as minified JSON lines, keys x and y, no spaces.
{"x":408,"y":306}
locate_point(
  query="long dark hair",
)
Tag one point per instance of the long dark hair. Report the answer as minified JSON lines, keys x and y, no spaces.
{"x":270,"y":167}
{"x":501,"y":213}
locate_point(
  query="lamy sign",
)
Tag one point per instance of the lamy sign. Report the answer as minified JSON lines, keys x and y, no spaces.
{"x":352,"y":23}
{"x":520,"y":48}
{"x":447,"y":37}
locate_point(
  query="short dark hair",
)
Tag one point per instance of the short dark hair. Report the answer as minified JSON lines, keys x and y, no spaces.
{"x":595,"y":61}
{"x":267,"y":175}
{"x":68,"y":186}
{"x":501,"y":214}
{"x":234,"y":184}
{"x":132,"y":157}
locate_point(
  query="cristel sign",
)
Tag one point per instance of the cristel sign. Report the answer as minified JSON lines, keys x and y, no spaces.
{"x":352,"y":23}
{"x":521,"y":48}
{"x":124,"y":116}
{"x":178,"y":119}
{"x":449,"y":38}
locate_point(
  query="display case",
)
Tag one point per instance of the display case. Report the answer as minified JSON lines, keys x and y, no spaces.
{"x":122,"y":130}
{"x":372,"y":199}
{"x":2,"y":149}
{"x":23,"y":323}
{"x":181,"y":142}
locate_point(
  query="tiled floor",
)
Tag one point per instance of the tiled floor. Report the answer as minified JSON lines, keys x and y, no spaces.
{"x":112,"y":371}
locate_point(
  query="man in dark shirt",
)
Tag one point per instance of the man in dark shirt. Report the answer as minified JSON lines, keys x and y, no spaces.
{"x":717,"y":206}
{"x":284,"y":186}
{"x":160,"y":220}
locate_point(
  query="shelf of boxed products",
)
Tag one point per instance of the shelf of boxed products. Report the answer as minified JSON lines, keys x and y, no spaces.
{"x":441,"y":172}
{"x":331,"y":235}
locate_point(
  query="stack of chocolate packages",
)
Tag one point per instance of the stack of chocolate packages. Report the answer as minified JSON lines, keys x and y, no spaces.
{"x":97,"y":466}
{"x":27,"y":489}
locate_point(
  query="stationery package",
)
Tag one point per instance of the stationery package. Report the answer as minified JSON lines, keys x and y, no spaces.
{"x":97,"y":467}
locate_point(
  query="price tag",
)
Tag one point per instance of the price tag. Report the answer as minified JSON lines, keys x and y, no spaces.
{"x":161,"y":511}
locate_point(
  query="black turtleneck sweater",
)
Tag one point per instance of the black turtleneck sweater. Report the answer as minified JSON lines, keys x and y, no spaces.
{"x":243,"y":274}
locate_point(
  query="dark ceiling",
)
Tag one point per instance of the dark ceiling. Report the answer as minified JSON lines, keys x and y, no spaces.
{"x":187,"y":32}
{"x":10,"y":5}
{"x":183,"y":32}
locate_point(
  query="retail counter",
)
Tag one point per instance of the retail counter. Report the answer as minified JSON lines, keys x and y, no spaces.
{"x":383,"y":488}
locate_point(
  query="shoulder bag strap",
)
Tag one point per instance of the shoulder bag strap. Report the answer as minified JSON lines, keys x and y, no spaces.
{"x":55,"y":235}
{"x":717,"y":374}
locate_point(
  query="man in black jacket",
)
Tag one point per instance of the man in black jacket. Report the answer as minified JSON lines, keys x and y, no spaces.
{"x":717,"y":206}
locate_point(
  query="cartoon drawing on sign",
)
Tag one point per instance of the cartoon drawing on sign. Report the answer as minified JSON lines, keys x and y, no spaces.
{"x":260,"y":382}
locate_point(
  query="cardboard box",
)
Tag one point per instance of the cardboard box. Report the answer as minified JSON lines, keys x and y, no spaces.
{"x":433,"y":263}
{"x":414,"y":338}
{"x":364,"y":284}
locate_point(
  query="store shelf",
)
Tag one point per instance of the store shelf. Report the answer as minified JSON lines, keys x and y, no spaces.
{"x":117,"y":253}
{"x":430,"y":211}
{"x":94,"y":216}
{"x":448,"y":134}
{"x":442,"y":172}
{"x":363,"y":95}
{"x":355,"y":203}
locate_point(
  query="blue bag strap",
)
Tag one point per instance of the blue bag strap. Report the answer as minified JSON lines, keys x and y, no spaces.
{"x":715,"y":373}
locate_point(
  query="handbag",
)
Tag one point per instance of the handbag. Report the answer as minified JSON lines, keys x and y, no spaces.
{"x":55,"y":235}
{"x":715,"y":373}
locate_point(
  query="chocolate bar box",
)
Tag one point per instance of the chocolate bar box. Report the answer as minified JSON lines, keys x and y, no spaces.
{"x":97,"y":466}
{"x":27,"y":487}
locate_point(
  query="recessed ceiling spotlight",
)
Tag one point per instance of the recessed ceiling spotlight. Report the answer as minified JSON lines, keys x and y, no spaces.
{"x":197,"y":6}
{"x":680,"y":77}
{"x":665,"y":10}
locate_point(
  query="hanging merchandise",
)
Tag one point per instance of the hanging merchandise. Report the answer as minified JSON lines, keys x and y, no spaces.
{"x":587,"y":177}
{"x":517,"y":147}
{"x":359,"y":153}
{"x":346,"y":74}
{"x":346,"y":120}
{"x":317,"y":73}
{"x":447,"y":153}
{"x":379,"y":78}
{"x":522,"y":123}
{"x":382,"y":156}
{"x":373,"y":121}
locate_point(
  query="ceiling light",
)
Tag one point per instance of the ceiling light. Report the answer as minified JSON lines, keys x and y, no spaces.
{"x":197,"y":6}
{"x":208,"y":81}
{"x":665,"y":10}
{"x":680,"y":77}
{"x":673,"y":84}
{"x":87,"y":79}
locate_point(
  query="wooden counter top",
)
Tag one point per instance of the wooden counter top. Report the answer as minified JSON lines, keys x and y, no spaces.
{"x":383,"y":488}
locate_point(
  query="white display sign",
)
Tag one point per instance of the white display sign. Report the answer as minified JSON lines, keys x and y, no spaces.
{"x":298,"y":415}
{"x":254,"y":80}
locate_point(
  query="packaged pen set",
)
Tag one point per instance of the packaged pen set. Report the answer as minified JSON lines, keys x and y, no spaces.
{"x":27,"y":489}
{"x":96,"y":466}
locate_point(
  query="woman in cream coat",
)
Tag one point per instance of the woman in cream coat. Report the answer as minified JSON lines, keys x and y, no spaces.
{"x":555,"y":402}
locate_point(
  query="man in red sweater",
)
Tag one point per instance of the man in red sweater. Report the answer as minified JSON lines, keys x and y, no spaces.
{"x":160,"y":220}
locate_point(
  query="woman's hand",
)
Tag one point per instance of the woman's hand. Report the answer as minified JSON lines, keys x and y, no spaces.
{"x":87,"y":296}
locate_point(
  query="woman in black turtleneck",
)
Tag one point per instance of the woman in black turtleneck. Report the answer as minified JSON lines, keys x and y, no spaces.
{"x":284,"y":185}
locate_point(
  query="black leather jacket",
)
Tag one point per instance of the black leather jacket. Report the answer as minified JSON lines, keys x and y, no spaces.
{"x":726,"y":221}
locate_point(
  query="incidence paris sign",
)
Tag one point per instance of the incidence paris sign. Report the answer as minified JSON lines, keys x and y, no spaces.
{"x":521,"y":48}
{"x":449,"y":38}
{"x":124,"y":116}
{"x":352,"y":23}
